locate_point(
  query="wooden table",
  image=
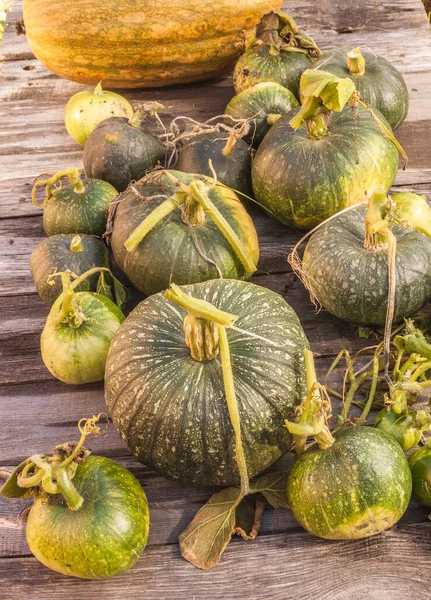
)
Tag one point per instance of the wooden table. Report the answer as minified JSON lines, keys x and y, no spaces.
{"x":37,"y":411}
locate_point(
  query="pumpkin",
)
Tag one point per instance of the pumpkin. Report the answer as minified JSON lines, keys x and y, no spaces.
{"x":263,"y":104}
{"x":347,"y":271}
{"x":420,"y":466}
{"x":89,"y":516}
{"x":230,"y":157}
{"x":304,"y":177}
{"x":376,"y":79}
{"x":358,"y":486}
{"x":200,"y":402}
{"x":120,"y":150}
{"x":78,"y":207}
{"x":134,"y":43}
{"x":86,"y":109}
{"x":80,"y":326}
{"x":76,"y":253}
{"x":174,"y":226}
{"x":279,"y":52}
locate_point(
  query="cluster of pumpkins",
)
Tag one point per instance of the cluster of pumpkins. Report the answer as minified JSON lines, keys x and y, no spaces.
{"x":171,"y":364}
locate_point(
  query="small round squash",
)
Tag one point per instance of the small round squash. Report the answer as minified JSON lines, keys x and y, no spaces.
{"x":120,"y":150}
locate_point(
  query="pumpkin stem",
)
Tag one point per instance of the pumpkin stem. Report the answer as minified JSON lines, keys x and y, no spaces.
{"x":356,"y":62}
{"x":54,"y":474}
{"x":202,"y":337}
{"x":211,"y":336}
{"x":231,"y":143}
{"x":98,"y":90}
{"x":72,"y":174}
{"x":314,"y":412}
{"x":76,"y":244}
{"x":272,"y":118}
{"x":321,"y":92}
{"x":279,"y":31}
{"x":376,"y":225}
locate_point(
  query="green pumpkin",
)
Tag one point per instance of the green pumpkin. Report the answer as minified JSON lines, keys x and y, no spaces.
{"x":302,"y":181}
{"x":420,"y":466}
{"x":120,"y":150}
{"x":175,"y":247}
{"x":263,"y":103}
{"x":357,"y":487}
{"x":231,"y":164}
{"x":76,"y":253}
{"x":171,"y":409}
{"x":103,"y":538}
{"x":280,"y":53}
{"x":351,"y":281}
{"x":77,"y":207}
{"x":376,"y":79}
{"x":78,"y":331}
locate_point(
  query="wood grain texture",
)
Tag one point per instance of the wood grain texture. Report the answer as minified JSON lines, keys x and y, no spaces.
{"x":37,"y":411}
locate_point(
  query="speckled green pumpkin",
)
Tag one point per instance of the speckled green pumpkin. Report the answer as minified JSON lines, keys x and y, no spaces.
{"x":233,"y":170}
{"x":103,"y":538}
{"x":382,"y":85}
{"x":358,"y":487}
{"x":171,"y":410}
{"x":303,"y":181}
{"x":257,"y":65}
{"x":68,"y":211}
{"x":264,"y":103}
{"x":57,"y":254}
{"x":351,"y":282}
{"x":168,"y":254}
{"x":420,"y":466}
{"x":76,"y":352}
{"x":119,"y":152}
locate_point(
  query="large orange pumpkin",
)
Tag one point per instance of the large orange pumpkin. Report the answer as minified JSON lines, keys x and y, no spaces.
{"x":139,"y":43}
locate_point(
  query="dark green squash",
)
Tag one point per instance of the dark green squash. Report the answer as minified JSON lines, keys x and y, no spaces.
{"x":280,"y":52}
{"x":376,"y":79}
{"x":357,"y":487}
{"x":420,"y":466}
{"x":302,"y":180}
{"x":89,"y":516}
{"x":263,"y":103}
{"x":121,"y":150}
{"x":62,"y":252}
{"x":164,"y":381}
{"x":78,"y":207}
{"x":349,"y":276}
{"x":182,"y":242}
{"x":230,"y":157}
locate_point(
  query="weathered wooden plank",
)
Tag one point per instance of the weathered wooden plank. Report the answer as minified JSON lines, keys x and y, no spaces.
{"x":288,"y":566}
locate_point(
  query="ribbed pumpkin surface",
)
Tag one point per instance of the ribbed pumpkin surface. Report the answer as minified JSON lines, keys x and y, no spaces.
{"x":171,"y":410}
{"x":351,"y":282}
{"x":139,"y":43}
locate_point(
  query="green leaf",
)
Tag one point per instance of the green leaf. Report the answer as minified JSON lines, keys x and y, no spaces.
{"x":333,"y":91}
{"x":203,"y":542}
{"x":112,"y":288}
{"x":11,"y":489}
{"x":273,"y":487}
{"x":120,"y":292}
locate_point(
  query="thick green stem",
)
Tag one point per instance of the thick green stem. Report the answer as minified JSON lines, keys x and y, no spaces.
{"x":356,"y":62}
{"x":232,"y":406}
{"x":316,"y":127}
{"x":376,"y":226}
{"x":73,"y":499}
{"x":342,"y":417}
{"x":202,"y":337}
{"x":163,"y":210}
{"x":72,"y":174}
{"x":310,"y":109}
{"x":199,"y":308}
{"x":230,"y":145}
{"x":272,"y":119}
{"x":76,"y":244}
{"x":199,"y":191}
{"x":193,"y":212}
{"x":390,"y":311}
